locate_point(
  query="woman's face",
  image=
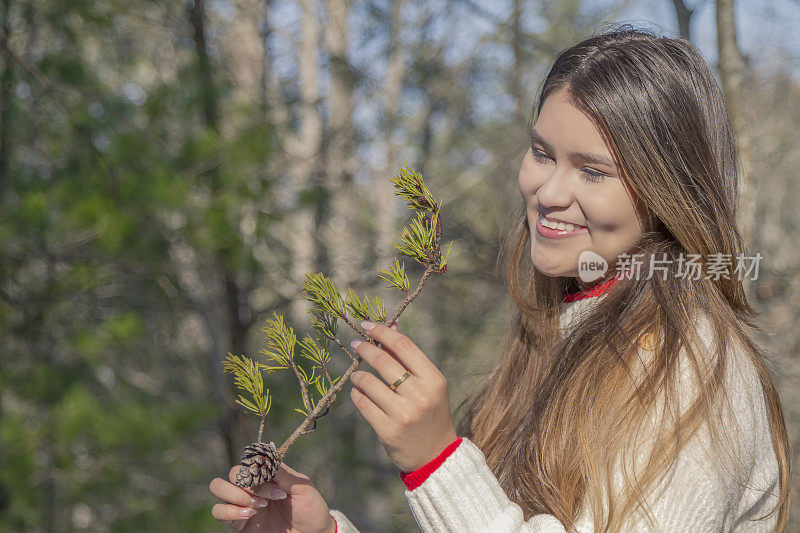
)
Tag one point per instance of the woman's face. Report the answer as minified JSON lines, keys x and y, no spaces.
{"x":569,"y":176}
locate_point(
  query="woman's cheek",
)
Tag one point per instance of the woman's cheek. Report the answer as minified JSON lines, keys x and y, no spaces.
{"x":613,"y":235}
{"x":530,"y":179}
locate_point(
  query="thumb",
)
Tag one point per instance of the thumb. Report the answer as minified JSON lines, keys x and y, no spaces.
{"x":394,"y":326}
{"x":288,"y":479}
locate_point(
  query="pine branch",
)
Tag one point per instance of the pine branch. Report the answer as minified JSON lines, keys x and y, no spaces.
{"x":408,"y":184}
{"x":248,"y":378}
{"x":374,"y":311}
{"x":410,"y":298}
{"x":396,"y":276}
{"x":420,"y":240}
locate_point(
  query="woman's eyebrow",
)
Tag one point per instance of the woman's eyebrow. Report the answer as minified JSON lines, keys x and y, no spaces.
{"x":596,"y":159}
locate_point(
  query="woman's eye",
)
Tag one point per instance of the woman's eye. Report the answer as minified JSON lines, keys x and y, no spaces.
{"x":539,"y":156}
{"x":591,"y":175}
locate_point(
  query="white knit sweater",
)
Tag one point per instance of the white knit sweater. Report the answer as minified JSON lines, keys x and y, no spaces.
{"x":463,"y":495}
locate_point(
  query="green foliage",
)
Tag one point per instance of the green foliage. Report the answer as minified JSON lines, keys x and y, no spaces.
{"x":408,"y":183}
{"x":443,"y":261}
{"x":323,"y":388}
{"x":327,"y":302}
{"x":396,"y":276}
{"x":311,"y":380}
{"x":320,"y":291}
{"x":417,"y":240}
{"x":325,"y":324}
{"x":372,"y":309}
{"x":249,"y":378}
{"x":280,"y":343}
{"x":313,"y":352}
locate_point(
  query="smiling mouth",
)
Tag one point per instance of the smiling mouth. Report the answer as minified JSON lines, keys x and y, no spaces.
{"x":559,"y":226}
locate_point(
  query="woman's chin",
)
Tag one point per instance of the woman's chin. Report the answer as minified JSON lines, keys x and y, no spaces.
{"x":554,"y":270}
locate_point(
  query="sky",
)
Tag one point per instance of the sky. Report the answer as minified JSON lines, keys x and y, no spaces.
{"x":768,"y":30}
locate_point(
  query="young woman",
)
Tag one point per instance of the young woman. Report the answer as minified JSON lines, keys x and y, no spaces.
{"x":636,"y":402}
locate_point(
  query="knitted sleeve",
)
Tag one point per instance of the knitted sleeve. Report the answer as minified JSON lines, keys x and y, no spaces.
{"x":343,"y":525}
{"x":457,"y":492}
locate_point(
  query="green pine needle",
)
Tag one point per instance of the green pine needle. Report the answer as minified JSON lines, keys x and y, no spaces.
{"x":417,"y":239}
{"x":409,"y":184}
{"x":379,"y":309}
{"x":312,"y":351}
{"x":322,"y":388}
{"x":372,"y":310}
{"x":305,"y":375}
{"x":320,"y":290}
{"x":396,"y":276}
{"x":248,"y":377}
{"x":280,"y":343}
{"x":325,"y":324}
{"x":443,"y":262}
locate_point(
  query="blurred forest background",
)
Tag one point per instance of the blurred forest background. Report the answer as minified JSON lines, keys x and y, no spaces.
{"x":170,"y":170}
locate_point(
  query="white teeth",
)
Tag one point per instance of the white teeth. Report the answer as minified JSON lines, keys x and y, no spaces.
{"x":563,"y":226}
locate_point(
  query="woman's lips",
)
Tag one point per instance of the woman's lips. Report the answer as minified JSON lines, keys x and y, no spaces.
{"x":551,"y":233}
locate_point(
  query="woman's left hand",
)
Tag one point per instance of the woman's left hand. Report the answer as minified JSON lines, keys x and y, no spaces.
{"x":414,"y":421}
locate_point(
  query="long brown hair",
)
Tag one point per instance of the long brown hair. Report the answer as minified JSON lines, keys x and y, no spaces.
{"x":559,"y":410}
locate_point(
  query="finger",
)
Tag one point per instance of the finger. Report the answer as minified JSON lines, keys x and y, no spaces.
{"x":230,"y":493}
{"x":394,"y":326}
{"x":264,"y":490}
{"x":403,"y":349}
{"x":376,"y":390}
{"x":224,"y":511}
{"x":383,"y":362}
{"x":371,"y":412}
{"x":287,"y":481}
{"x":290,"y":480}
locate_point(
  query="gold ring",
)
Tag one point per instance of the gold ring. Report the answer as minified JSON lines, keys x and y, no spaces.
{"x":401,"y":379}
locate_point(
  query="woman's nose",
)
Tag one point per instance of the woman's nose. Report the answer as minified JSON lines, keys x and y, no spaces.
{"x":557,"y":190}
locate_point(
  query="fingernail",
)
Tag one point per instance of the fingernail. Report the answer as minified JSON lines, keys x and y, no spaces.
{"x":258,"y":502}
{"x":367,"y":325}
{"x":354,"y":344}
{"x":277,"y":494}
{"x":247,"y":513}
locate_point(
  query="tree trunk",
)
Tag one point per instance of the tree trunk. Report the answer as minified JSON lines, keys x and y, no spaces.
{"x":384,"y":191}
{"x":731,"y":66}
{"x":5,"y":95}
{"x":517,"y":90}
{"x":337,"y":228}
{"x":305,"y":156}
{"x":684,"y":15}
{"x":237,"y":314}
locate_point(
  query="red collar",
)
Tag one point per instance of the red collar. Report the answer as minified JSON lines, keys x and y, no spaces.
{"x":594,"y":290}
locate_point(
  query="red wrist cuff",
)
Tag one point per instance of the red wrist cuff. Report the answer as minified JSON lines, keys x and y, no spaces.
{"x":417,"y":477}
{"x":336,"y":525}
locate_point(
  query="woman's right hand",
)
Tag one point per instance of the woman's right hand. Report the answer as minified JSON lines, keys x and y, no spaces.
{"x":301,"y":510}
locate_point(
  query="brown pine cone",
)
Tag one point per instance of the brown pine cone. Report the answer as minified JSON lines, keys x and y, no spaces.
{"x":259,"y":464}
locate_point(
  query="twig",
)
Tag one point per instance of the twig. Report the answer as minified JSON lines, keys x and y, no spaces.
{"x":326,"y":399}
{"x":410,"y":298}
{"x":351,"y":356}
{"x":303,"y":384}
{"x":261,"y":427}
